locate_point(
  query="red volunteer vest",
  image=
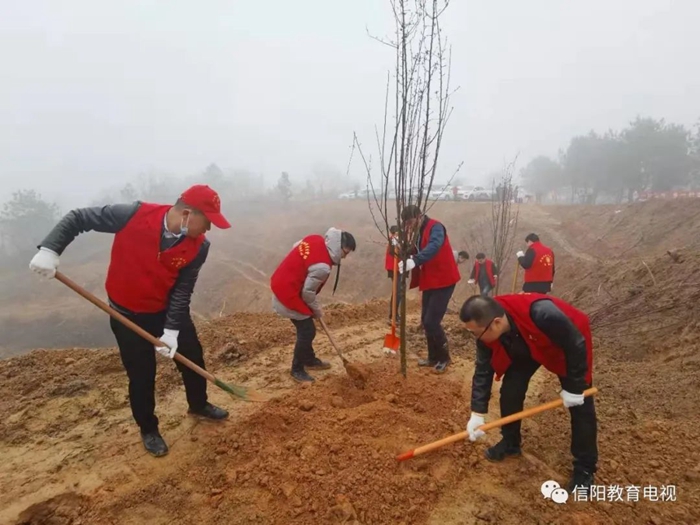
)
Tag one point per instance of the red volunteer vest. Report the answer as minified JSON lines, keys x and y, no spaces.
{"x":439,"y":272}
{"x":140,"y":275}
{"x":541,"y":348}
{"x":488,"y":263}
{"x":541,"y":269}
{"x":287,"y":282}
{"x":389,"y":259}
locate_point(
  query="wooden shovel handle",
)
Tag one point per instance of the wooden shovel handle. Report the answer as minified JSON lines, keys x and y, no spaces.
{"x":130,"y":324}
{"x":515,"y":277}
{"x":488,"y":426}
{"x":330,"y":338}
{"x":395,"y":289}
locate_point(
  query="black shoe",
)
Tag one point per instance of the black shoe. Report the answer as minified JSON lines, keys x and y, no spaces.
{"x":300,"y":376}
{"x":581,"y":478}
{"x":317,"y":364}
{"x":154,"y":443}
{"x":441,"y":366}
{"x":501,"y":450}
{"x":427,"y":362}
{"x":210,"y":412}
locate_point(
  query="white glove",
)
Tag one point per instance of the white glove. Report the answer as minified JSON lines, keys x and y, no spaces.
{"x":410,"y":265}
{"x":571,"y":400}
{"x":520,"y":254}
{"x":394,"y":241}
{"x":475,"y":421}
{"x":45,"y":263}
{"x":169,"y":337}
{"x":471,"y":281}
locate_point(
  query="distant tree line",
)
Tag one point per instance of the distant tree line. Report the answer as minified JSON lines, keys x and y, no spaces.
{"x":648,"y":155}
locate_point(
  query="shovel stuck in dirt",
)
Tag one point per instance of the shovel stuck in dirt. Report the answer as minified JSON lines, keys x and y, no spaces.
{"x":357,"y":372}
{"x":241,"y":392}
{"x":392,"y":342}
{"x":488,"y":426}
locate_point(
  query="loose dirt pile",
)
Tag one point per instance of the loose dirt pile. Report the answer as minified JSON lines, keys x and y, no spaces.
{"x":325,"y":455}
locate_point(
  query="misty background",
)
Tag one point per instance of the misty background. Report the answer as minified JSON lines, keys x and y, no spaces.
{"x":94,"y":94}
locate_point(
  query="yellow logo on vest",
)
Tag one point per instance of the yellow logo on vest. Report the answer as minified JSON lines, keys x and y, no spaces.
{"x":178,"y":262}
{"x":546,"y":260}
{"x":304,"y":249}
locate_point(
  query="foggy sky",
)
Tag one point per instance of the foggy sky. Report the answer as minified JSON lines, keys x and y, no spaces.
{"x":94,"y":93}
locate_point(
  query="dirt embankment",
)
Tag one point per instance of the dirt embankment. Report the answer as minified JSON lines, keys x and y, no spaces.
{"x":325,"y":453}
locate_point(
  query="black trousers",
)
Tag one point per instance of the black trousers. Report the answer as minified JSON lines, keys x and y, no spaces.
{"x":485,"y":290}
{"x":584,"y":447}
{"x":539,"y":287}
{"x":303,"y":349}
{"x":433,"y":310}
{"x":139,"y":360}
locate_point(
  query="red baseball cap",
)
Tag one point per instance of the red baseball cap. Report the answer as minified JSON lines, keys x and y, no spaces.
{"x":202,"y":198}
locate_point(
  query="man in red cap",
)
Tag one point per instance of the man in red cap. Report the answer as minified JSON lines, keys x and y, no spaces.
{"x":157,"y":253}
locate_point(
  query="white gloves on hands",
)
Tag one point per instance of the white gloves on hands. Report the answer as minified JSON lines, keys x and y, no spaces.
{"x":520,"y":254}
{"x":475,"y":421}
{"x":169,"y":337}
{"x":571,"y":400}
{"x":410,"y":265}
{"x":45,"y":263}
{"x":471,"y":281}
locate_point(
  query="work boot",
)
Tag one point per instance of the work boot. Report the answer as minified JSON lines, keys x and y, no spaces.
{"x":441,"y":366}
{"x":154,"y":443}
{"x":209,"y":411}
{"x":427,"y":362}
{"x":317,"y":364}
{"x":300,"y":376}
{"x":501,"y":450}
{"x":442,"y":349}
{"x":580,"y":479}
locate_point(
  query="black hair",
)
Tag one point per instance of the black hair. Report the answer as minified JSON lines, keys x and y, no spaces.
{"x":347,"y":241}
{"x":480,"y":255}
{"x":394,"y":229}
{"x":481,"y":310}
{"x":410,"y":212}
{"x":463,"y":255}
{"x":532,"y":237}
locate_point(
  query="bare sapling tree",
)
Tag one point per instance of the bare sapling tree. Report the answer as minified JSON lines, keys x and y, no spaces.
{"x":408,"y":144}
{"x":504,"y":220}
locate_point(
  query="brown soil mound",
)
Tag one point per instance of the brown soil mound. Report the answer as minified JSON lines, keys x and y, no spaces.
{"x":59,"y":510}
{"x":326,"y":455}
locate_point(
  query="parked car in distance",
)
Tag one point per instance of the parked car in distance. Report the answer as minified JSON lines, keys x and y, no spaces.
{"x":479,"y":195}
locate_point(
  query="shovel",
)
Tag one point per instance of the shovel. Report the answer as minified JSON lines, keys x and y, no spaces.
{"x":392,"y":342}
{"x":515,"y":277}
{"x":239,"y":391}
{"x":488,"y":426}
{"x":357,"y":372}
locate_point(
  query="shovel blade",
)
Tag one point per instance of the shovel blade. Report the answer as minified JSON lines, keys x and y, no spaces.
{"x":392,"y":342}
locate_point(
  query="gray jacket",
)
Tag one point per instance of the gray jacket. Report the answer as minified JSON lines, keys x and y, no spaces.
{"x":316,"y":276}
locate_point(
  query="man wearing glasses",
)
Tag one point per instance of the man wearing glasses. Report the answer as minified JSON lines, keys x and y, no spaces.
{"x":515,"y":334}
